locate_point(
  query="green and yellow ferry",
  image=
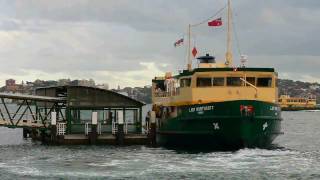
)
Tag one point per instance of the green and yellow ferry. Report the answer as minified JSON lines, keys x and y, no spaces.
{"x":217,"y":105}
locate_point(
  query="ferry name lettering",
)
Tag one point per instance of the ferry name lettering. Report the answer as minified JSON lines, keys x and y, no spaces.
{"x":201,"y":108}
{"x":274,"y":108}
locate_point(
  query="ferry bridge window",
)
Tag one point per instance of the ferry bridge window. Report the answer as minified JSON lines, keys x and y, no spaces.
{"x":186,"y":82}
{"x":203,"y":82}
{"x":160,"y":86}
{"x":264,"y":82}
{"x":251,"y":80}
{"x":234,"y":81}
{"x":218,"y":81}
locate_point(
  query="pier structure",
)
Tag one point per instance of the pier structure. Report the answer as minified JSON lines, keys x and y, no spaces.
{"x":75,"y":115}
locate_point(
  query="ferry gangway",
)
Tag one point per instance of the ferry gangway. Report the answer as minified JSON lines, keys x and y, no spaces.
{"x":21,"y":111}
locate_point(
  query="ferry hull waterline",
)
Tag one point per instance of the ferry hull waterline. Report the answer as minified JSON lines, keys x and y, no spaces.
{"x":224,"y":125}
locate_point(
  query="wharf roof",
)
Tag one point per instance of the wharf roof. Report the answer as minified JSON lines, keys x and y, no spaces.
{"x":85,"y":96}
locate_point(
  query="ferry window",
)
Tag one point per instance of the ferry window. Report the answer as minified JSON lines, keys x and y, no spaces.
{"x":203,"y":82}
{"x":280,"y":100}
{"x":251,"y":80}
{"x":264,"y":82}
{"x":186,"y":82}
{"x":218,"y":81}
{"x":160,"y":86}
{"x":234,"y":81}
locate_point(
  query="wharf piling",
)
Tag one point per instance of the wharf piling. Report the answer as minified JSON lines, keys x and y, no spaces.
{"x":152,"y":129}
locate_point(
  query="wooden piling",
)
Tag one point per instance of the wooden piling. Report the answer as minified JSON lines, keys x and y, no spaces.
{"x":153,"y":129}
{"x":25,"y":133}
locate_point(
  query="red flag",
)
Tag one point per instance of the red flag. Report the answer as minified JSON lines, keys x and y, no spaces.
{"x":216,"y":22}
{"x":178,"y":43}
{"x":194,"y":51}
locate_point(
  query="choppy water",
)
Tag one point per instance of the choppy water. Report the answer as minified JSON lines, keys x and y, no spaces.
{"x":297,"y":156}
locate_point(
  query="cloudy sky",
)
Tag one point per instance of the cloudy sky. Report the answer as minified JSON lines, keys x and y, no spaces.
{"x":126,"y":43}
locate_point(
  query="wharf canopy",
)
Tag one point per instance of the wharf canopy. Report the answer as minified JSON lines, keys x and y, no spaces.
{"x":81,"y":101}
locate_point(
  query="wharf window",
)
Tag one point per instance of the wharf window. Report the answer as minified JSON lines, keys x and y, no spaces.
{"x":234,"y":81}
{"x":264,"y":82}
{"x":218,"y":81}
{"x":186,"y":82}
{"x":203,"y":82}
{"x":251,"y":80}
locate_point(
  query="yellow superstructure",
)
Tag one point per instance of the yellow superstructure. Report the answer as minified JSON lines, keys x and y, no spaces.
{"x":291,"y":102}
{"x":207,"y":85}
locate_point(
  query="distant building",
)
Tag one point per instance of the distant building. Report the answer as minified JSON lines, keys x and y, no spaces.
{"x":83,"y":82}
{"x":74,"y":83}
{"x":103,"y":86}
{"x":314,"y":87}
{"x":10,"y":82}
{"x":11,"y":85}
{"x":63,"y":82}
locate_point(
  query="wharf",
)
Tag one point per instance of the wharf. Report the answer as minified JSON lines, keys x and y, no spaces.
{"x":77,"y":115}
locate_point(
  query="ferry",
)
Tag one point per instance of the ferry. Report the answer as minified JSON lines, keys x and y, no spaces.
{"x":288,"y":103}
{"x":217,"y":105}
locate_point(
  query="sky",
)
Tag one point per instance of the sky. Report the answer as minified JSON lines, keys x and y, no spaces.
{"x":127,"y":43}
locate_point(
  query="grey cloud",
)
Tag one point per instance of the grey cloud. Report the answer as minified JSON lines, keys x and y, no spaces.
{"x":95,"y":35}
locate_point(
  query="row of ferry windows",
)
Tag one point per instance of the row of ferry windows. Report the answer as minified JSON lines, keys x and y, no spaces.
{"x":294,"y":100}
{"x":231,"y":81}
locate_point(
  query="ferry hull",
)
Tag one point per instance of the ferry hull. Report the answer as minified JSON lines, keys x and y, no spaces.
{"x":224,"y":125}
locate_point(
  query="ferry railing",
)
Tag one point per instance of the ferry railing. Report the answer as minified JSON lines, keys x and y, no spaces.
{"x":167,"y":94}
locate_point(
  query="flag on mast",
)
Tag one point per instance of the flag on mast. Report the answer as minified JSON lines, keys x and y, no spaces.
{"x":215,"y":22}
{"x":178,"y":42}
{"x":194,"y":51}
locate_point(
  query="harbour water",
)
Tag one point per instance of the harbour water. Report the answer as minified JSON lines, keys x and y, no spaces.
{"x":296,"y":155}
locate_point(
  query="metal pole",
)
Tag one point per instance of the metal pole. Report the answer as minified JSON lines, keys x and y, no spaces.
{"x":189,"y":48}
{"x":229,"y":38}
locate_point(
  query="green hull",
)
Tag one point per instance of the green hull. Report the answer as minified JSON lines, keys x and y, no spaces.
{"x":222,"y":125}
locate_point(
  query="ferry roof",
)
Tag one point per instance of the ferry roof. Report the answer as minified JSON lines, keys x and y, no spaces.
{"x":188,"y":73}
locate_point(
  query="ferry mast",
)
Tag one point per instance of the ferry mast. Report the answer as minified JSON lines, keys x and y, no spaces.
{"x":229,"y":56}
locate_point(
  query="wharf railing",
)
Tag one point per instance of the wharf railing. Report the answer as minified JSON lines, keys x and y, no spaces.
{"x":99,"y":128}
{"x":87,"y":128}
{"x":114,"y":129}
{"x":61,"y":128}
